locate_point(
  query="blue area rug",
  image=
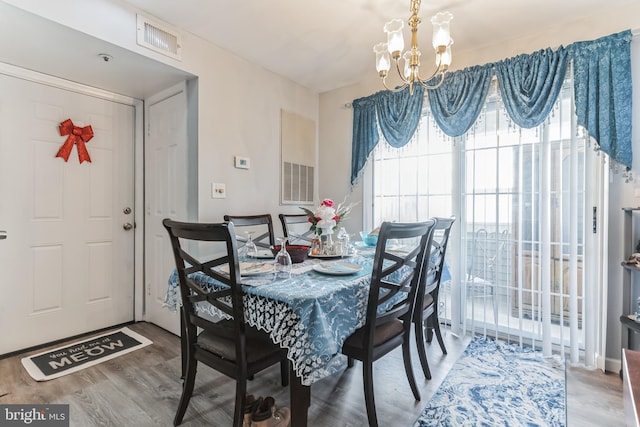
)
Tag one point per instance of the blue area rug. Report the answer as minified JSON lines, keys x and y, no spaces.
{"x":499,"y":384}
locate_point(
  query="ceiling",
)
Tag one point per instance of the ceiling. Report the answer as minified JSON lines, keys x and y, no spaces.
{"x":32,"y":42}
{"x":327,"y":44}
{"x":321,"y":44}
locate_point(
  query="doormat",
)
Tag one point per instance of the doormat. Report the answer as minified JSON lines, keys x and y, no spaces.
{"x":79,"y":355}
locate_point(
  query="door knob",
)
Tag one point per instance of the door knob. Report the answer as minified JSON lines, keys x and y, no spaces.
{"x":3,"y":234}
{"x":126,"y":210}
{"x":127,"y":226}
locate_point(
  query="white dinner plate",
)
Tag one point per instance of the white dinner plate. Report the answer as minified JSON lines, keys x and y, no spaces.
{"x":251,"y":268}
{"x":262,"y":254}
{"x":337,"y":268}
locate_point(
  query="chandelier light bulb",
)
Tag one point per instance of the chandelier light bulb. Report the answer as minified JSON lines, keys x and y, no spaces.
{"x":445,"y":57}
{"x":383,"y":63}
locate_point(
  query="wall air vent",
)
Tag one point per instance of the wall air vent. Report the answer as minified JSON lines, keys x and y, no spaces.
{"x":159,"y":37}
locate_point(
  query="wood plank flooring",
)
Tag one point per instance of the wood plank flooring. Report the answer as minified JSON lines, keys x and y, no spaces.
{"x":142,"y":389}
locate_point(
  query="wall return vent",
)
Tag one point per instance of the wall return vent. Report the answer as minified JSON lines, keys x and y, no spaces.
{"x":159,"y":37}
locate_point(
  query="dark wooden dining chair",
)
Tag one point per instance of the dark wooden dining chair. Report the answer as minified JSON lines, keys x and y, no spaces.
{"x":296,"y":229}
{"x":262,"y":224}
{"x":229,"y":346}
{"x":427,"y":298}
{"x":392,"y":295}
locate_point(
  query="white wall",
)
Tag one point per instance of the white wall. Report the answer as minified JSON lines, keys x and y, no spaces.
{"x":336,"y":130}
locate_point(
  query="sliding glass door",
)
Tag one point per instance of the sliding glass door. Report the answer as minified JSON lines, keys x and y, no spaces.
{"x":521,"y":203}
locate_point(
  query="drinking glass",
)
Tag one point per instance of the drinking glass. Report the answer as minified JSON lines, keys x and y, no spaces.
{"x":283,"y":260}
{"x":343,"y":237}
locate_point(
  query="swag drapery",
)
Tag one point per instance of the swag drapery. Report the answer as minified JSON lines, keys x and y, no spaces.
{"x":529,"y":85}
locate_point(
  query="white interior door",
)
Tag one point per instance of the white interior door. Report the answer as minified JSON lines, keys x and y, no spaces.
{"x":166,"y":178}
{"x":66,"y":264}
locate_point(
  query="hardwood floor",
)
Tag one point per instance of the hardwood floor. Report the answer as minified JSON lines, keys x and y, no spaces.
{"x":142,"y":389}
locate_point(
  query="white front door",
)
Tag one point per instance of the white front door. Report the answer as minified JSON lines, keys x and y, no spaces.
{"x":66,"y":264}
{"x":166,"y":178}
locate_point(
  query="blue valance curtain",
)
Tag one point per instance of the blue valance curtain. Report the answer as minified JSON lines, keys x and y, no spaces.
{"x":397,"y":114}
{"x":457,"y":103}
{"x":529,"y":86}
{"x":602,"y":90}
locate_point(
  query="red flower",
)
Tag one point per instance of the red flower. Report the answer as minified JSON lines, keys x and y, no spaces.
{"x":327,"y":202}
{"x":336,"y":218}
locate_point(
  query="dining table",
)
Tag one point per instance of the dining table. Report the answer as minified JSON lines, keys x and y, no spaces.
{"x":310,"y":312}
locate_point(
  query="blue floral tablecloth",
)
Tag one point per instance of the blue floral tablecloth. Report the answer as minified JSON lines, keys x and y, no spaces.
{"x":310,"y":314}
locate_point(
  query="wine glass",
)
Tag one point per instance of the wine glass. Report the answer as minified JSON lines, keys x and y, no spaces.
{"x":249,"y":250}
{"x":283,"y":260}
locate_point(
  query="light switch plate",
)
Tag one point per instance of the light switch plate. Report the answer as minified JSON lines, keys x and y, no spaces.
{"x":218,"y":191}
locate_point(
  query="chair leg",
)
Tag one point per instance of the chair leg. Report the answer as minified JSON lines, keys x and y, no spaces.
{"x":367,"y":374}
{"x":241,"y":392}
{"x":429,"y":329}
{"x":284,"y":372}
{"x":422,"y":352}
{"x":187,"y":391}
{"x":349,"y":362}
{"x":183,"y":345}
{"x":495,"y":305}
{"x":406,"y":350}
{"x":436,"y":327}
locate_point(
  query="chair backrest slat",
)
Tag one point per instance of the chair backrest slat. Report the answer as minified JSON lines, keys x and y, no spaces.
{"x":296,"y":228}
{"x":257,"y":223}
{"x":431,"y":275}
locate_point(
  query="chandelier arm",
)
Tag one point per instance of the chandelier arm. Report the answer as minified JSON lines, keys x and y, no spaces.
{"x":440,"y":69}
{"x":398,"y":89}
{"x":437,"y":85}
{"x":401,"y":73}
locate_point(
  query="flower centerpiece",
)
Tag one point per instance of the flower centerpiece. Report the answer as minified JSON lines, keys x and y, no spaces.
{"x":325,"y":219}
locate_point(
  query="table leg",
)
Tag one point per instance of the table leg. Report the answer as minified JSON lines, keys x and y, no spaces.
{"x":300,"y":399}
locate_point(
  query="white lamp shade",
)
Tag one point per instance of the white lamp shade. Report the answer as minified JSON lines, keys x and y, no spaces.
{"x":407,"y":67}
{"x":395,"y":41}
{"x":382,"y":57}
{"x":441,"y":33}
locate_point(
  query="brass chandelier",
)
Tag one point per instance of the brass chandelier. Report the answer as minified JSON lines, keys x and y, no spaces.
{"x":410,"y":72}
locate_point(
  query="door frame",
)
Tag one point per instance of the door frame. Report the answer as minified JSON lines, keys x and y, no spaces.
{"x":138,"y":192}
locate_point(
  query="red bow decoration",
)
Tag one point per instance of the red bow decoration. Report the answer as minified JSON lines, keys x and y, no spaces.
{"x":78,"y":136}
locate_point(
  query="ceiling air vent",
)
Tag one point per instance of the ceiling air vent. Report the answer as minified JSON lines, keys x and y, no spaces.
{"x":159,"y":37}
